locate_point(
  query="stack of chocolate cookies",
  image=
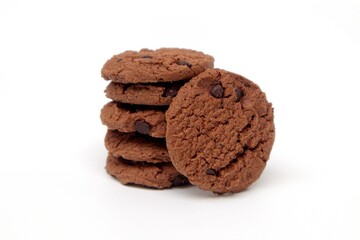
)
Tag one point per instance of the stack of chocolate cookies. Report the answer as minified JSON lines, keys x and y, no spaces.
{"x":175,"y":119}
{"x":142,"y":87}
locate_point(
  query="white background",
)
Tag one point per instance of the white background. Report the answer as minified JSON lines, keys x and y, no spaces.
{"x":304,"y":54}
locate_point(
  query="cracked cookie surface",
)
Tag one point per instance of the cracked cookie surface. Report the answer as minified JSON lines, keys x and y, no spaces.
{"x":136,"y":147}
{"x":161,"y":175}
{"x":161,"y":65}
{"x":220,"y":131}
{"x":155,"y":94}
{"x":134,"y":118}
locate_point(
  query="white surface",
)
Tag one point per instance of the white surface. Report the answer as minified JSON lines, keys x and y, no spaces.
{"x":305,"y":55}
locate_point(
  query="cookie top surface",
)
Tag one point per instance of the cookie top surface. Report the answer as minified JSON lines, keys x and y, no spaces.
{"x":220,"y":131}
{"x":134,"y":118}
{"x":161,"y":65}
{"x":155,"y":94}
{"x":136,"y":147}
{"x":162,"y":175}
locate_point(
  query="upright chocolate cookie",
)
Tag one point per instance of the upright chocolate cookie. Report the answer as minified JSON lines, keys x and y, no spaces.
{"x":162,"y":65}
{"x":155,"y":94}
{"x":132,"y":118}
{"x":161,"y":175}
{"x":220,"y":131}
{"x":136,"y":147}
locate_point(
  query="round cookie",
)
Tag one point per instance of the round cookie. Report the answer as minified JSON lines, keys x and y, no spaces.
{"x":220,"y":131}
{"x":131,"y":118}
{"x":161,"y":65}
{"x":136,"y":147}
{"x":156,"y":94}
{"x":162,"y":175}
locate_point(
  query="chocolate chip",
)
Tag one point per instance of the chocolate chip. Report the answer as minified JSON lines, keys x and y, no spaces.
{"x":179,"y":180}
{"x":211,"y":172}
{"x":147,"y":56}
{"x":142,"y":127}
{"x":217,"y":91}
{"x":183,"y":63}
{"x":119,"y":60}
{"x":239,"y":94}
{"x":170,"y":91}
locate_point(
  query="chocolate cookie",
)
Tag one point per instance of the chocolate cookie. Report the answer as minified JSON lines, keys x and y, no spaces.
{"x":133,"y":118}
{"x":162,"y":65}
{"x":220,"y":131}
{"x":136,"y":147}
{"x":156,"y":94}
{"x":161,"y":175}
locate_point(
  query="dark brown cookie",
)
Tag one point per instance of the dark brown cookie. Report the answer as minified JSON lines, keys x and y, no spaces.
{"x":162,"y":65}
{"x":220,"y":131}
{"x":136,"y":147}
{"x":131,"y":118}
{"x":161,"y":175}
{"x":156,"y":94}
